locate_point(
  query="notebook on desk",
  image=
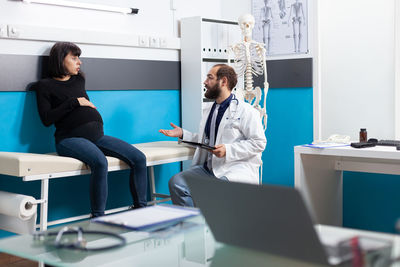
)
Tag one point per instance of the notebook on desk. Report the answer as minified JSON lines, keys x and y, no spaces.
{"x":271,"y":219}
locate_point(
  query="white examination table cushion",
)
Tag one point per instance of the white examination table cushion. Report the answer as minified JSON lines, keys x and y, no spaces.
{"x":26,"y":164}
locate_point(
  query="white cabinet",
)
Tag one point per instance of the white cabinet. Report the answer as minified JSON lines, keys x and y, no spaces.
{"x":204,"y":43}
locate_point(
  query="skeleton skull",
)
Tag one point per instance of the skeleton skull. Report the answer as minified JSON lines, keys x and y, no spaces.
{"x":246,"y":23}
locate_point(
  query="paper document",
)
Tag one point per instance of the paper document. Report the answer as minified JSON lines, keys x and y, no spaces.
{"x":149,"y":217}
{"x":325,"y":145}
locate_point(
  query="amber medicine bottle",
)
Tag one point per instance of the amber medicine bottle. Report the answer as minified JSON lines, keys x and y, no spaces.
{"x":363,"y":135}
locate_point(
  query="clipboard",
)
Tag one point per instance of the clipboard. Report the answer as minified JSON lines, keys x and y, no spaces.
{"x":200,"y":145}
{"x":149,"y":218}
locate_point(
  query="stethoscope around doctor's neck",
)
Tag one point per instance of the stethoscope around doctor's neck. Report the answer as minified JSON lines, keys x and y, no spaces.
{"x":233,"y":108}
{"x":231,"y":116}
{"x":234,"y":98}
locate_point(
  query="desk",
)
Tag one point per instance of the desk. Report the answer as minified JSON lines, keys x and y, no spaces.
{"x":43,"y":167}
{"x":319,"y":175}
{"x":185,"y":247}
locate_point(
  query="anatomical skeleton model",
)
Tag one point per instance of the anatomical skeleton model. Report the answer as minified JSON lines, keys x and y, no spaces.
{"x":249,"y":59}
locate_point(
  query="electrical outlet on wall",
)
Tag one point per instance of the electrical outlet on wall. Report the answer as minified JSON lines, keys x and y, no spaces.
{"x":3,"y":30}
{"x":144,"y":40}
{"x":163,"y":42}
{"x":13,"y":31}
{"x":154,"y":41}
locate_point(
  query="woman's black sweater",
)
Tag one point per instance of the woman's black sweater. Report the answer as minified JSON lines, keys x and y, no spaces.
{"x":58,"y":104}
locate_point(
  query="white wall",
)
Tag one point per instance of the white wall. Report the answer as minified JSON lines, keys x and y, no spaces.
{"x":232,"y":9}
{"x":357,"y":67}
{"x":156,"y":17}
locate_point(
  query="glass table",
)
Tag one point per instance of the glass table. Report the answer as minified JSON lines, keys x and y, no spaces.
{"x":187,"y":244}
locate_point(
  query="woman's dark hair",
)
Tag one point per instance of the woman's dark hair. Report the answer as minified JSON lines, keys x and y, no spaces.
{"x":56,"y":59}
{"x":228,"y":72}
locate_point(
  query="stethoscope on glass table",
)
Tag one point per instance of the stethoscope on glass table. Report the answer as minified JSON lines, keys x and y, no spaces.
{"x":80,"y":243}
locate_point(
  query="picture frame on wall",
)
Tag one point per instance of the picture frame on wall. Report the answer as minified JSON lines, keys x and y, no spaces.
{"x":282,"y":25}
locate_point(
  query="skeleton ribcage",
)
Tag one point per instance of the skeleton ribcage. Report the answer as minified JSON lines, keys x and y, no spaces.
{"x":248,"y":59}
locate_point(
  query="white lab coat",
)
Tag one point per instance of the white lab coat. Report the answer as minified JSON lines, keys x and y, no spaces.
{"x":241,"y":131}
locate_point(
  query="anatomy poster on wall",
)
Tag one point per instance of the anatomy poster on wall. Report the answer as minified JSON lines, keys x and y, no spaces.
{"x":282,"y":25}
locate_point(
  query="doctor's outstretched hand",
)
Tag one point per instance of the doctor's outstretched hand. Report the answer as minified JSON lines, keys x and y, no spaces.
{"x":219,"y":151}
{"x":176,"y":132}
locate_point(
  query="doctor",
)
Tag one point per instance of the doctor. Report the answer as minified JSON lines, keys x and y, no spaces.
{"x":232,"y":126}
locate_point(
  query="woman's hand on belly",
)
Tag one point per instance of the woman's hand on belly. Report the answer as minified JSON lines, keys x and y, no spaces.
{"x":84,"y":102}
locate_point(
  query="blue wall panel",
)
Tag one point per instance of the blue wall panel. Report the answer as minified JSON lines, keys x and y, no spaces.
{"x":290,"y":123}
{"x":134,"y":116}
{"x":371,"y":201}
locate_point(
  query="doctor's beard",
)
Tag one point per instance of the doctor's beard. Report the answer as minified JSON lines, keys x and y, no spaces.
{"x":213,"y":92}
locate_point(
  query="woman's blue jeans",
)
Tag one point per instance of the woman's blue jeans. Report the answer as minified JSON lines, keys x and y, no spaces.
{"x":94,"y":154}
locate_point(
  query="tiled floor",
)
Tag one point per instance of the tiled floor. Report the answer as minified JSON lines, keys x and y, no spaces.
{"x":7,"y":260}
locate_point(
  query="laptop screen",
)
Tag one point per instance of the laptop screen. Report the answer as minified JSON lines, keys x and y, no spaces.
{"x":272,"y":219}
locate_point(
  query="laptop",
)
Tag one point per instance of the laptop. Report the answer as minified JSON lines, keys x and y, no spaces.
{"x":272,"y":219}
